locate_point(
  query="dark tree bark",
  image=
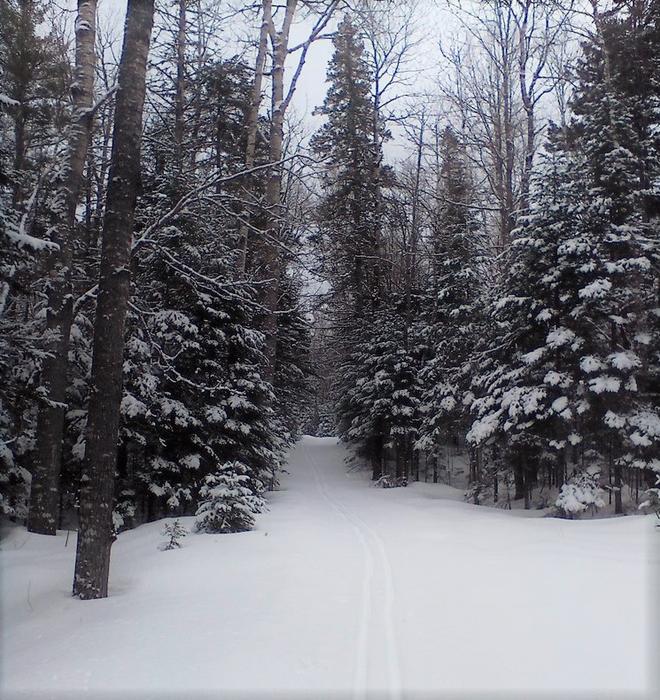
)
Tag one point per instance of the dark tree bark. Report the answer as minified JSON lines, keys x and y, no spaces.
{"x":44,"y":493}
{"x":618,"y":489}
{"x":376,"y":457}
{"x":19,"y":154}
{"x":95,"y":533}
{"x":518,"y":478}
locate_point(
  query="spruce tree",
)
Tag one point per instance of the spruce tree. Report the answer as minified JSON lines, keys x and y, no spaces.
{"x":229,"y":500}
{"x":451,"y":309}
{"x":574,"y":379}
{"x":349,"y":240}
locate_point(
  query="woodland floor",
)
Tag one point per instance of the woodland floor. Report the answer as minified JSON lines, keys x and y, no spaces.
{"x":342,"y":590}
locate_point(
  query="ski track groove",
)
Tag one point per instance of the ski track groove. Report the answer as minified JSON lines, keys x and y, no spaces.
{"x":393,"y":669}
{"x":363,"y":533}
{"x":362,"y":664}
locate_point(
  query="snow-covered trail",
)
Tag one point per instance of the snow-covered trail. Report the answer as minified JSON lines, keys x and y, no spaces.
{"x":342,"y":590}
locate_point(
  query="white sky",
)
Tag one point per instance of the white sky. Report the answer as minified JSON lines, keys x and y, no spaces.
{"x":311,"y":88}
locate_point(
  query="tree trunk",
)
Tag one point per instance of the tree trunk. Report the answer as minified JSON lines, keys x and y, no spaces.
{"x":252,"y":125}
{"x":509,"y":156}
{"x":618,"y":489}
{"x":19,"y":155}
{"x":179,"y":100}
{"x":411,"y":258}
{"x":59,"y":316}
{"x":271,"y":261}
{"x":377,"y":458}
{"x":528,"y":105}
{"x":95,"y":534}
{"x":518,"y":478}
{"x":527,"y":481}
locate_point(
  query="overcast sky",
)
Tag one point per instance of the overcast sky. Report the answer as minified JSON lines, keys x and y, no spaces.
{"x":432,"y":22}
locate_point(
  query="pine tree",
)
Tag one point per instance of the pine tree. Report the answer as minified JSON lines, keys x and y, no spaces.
{"x":292,"y":369}
{"x":453,"y":303}
{"x":522,"y":389}
{"x":574,"y":382}
{"x":379,"y":392}
{"x":174,"y":532}
{"x":33,"y":85}
{"x":208,"y":397}
{"x":230,"y":500}
{"x":349,"y":240}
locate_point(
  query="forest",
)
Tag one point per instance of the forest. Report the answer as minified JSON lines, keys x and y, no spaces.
{"x":451,"y":258}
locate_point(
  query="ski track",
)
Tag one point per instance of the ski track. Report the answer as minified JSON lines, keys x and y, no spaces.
{"x":393,"y":669}
{"x":362,"y":664}
{"x":374,"y":549}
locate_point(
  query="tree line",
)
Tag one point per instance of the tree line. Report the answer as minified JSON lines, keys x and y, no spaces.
{"x":498,"y":289}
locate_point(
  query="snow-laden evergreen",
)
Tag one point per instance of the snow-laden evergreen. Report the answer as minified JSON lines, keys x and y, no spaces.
{"x":573,"y":379}
{"x":230,"y":498}
{"x":452,"y":314}
{"x":380,"y":392}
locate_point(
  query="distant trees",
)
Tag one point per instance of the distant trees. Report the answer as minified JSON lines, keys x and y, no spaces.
{"x":517,"y":287}
{"x":350,"y":240}
{"x":453,"y":296}
{"x":506,"y":59}
{"x":350,"y":237}
{"x":33,"y":82}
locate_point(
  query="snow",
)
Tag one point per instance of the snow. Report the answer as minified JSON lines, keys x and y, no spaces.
{"x":24,"y":240}
{"x":597,"y":289}
{"x":560,"y":406}
{"x":624,"y":360}
{"x":483,"y":428}
{"x":341,"y":589}
{"x":8,"y":101}
{"x":557,"y":379}
{"x":132,"y":407}
{"x":560,"y":336}
{"x":581,"y":494}
{"x":589,"y":363}
{"x":600,"y":385}
{"x":614,"y":420}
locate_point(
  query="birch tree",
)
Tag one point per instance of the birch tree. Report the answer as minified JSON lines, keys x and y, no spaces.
{"x":279,"y":103}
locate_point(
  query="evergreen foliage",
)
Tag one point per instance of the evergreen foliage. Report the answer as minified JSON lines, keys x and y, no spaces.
{"x":452,"y":311}
{"x":349,"y":238}
{"x":573,"y":379}
{"x":174,"y":532}
{"x":230,"y":500}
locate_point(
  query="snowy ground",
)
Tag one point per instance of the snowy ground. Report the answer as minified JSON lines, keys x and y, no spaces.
{"x":343,"y":590}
